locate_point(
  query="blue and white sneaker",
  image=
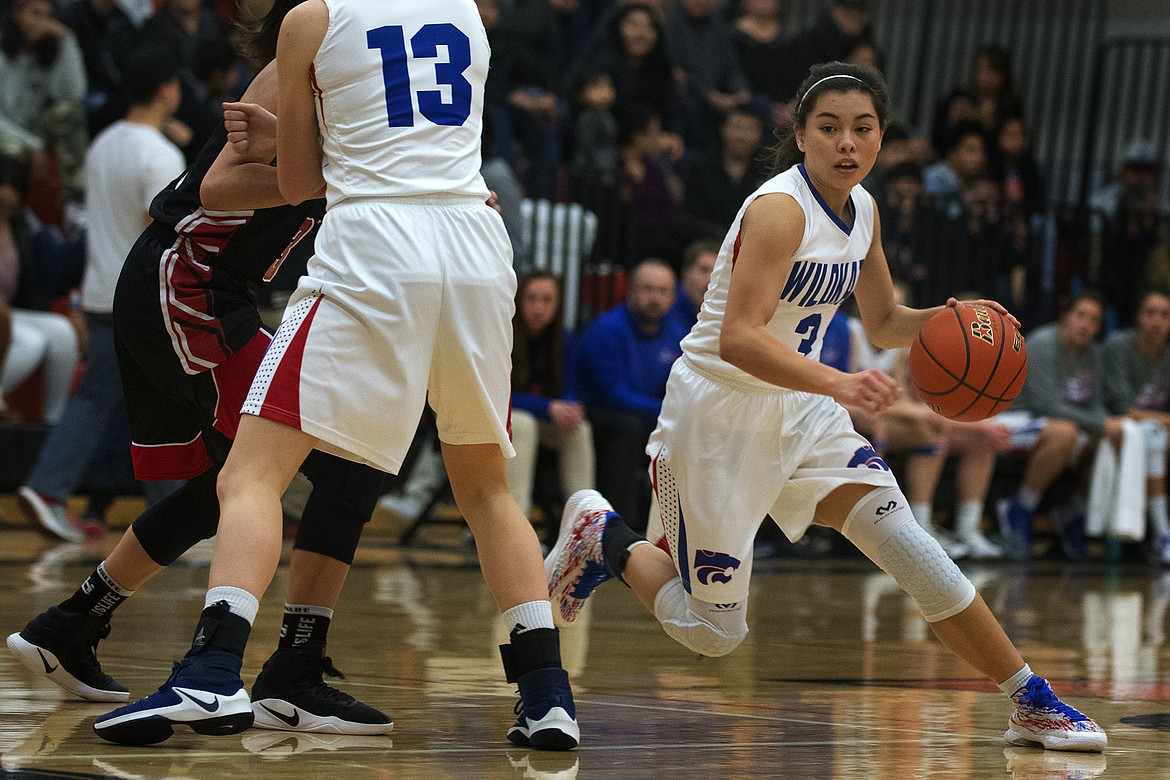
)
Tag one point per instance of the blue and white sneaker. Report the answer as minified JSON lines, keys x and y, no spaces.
{"x":204,"y":692}
{"x":576,"y":564}
{"x":1042,"y":719}
{"x":1015,"y":526}
{"x":546,"y":718}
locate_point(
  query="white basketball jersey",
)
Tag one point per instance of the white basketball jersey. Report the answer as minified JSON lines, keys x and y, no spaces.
{"x":824,"y":272}
{"x":400,"y":98}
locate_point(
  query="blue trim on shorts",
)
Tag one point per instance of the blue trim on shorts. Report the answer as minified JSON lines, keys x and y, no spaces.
{"x":684,"y":558}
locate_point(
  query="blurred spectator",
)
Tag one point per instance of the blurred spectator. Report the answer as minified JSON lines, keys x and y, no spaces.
{"x":180,"y":26}
{"x":898,"y":149}
{"x":106,"y":34}
{"x":698,"y":263}
{"x":42,"y":89}
{"x":649,"y":192}
{"x":209,"y":82}
{"x":595,"y":139}
{"x":765,"y":56}
{"x":719,"y":181}
{"x":501,"y":179}
{"x":1013,"y":163}
{"x":964,"y":158}
{"x":1128,"y":243}
{"x":993,"y":88}
{"x":1139,"y":178}
{"x":957,"y":109}
{"x":546,"y":402}
{"x":623,"y":362}
{"x":706,"y":66}
{"x":519,"y":95}
{"x":127,"y":165}
{"x":1059,"y":414}
{"x":632,"y":51}
{"x":32,"y":338}
{"x":1137,"y":385}
{"x":839,"y":31}
{"x":906,"y":221}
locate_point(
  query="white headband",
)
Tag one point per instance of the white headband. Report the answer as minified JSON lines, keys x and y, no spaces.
{"x":822,"y":81}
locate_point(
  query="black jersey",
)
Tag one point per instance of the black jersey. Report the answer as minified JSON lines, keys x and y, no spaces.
{"x":250,"y":245}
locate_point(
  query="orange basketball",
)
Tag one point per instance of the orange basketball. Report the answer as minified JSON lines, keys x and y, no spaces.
{"x":968,"y":362}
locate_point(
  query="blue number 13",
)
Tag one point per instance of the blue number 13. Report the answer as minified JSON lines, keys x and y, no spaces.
{"x":391,"y":42}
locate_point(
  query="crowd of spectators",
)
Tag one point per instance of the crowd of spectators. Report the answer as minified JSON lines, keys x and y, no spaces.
{"x":653,"y":114}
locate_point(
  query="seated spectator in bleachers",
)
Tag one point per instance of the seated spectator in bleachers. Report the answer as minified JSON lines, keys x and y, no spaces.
{"x":595,"y":141}
{"x":1059,"y":415}
{"x":207,"y":84}
{"x":1137,"y":385}
{"x":718,"y":182}
{"x":36,"y":338}
{"x":42,"y":89}
{"x":546,"y":404}
{"x":520,"y":94}
{"x":695,"y":277}
{"x":1012,"y":162}
{"x":500,"y":177}
{"x":1139,"y":177}
{"x":766,"y":57}
{"x":1129,"y":240}
{"x":837,"y":32}
{"x":955,"y":110}
{"x":180,"y":26}
{"x":906,"y":219}
{"x":624,"y":360}
{"x":106,"y":35}
{"x":899,"y":148}
{"x":649,"y":192}
{"x":964,"y":158}
{"x":993,"y":88}
{"x":706,"y":66}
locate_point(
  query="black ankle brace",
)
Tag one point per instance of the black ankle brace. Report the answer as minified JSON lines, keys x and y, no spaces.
{"x":615,"y":544}
{"x":538,"y":648}
{"x":220,"y":629}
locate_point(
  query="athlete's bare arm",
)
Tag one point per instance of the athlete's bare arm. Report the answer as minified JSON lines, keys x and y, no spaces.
{"x":770,"y":234}
{"x":298,"y":145}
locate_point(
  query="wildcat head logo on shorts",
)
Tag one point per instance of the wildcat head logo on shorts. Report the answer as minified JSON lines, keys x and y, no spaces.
{"x":712,"y":567}
{"x":867,"y":458}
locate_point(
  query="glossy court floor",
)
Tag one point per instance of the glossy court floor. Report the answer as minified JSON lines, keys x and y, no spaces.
{"x":839,"y":677}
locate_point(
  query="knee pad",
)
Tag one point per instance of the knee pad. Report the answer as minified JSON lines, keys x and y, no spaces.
{"x":1154,"y":437}
{"x":343,"y":498}
{"x":882,"y":527}
{"x":180,"y":520}
{"x":712,"y":630}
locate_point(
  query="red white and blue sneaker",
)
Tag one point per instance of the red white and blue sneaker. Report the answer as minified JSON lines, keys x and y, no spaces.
{"x":576,"y":564}
{"x":1042,"y":719}
{"x":203,"y":692}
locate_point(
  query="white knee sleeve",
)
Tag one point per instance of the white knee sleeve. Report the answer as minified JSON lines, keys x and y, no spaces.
{"x":1154,"y":437}
{"x":882,"y":527}
{"x":708,"y":629}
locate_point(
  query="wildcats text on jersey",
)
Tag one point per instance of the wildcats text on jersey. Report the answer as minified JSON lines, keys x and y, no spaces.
{"x":814,"y":284}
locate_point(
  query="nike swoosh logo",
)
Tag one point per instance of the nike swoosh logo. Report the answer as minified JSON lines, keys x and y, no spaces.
{"x":210,"y":706}
{"x":48,"y":669}
{"x":291,"y":720}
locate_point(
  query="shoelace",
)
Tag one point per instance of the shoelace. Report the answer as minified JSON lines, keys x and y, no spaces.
{"x":1040,"y":696}
{"x":86,"y":649}
{"x":518,"y":708}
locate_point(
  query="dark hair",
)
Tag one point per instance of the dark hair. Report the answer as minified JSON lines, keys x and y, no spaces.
{"x":784,"y":153}
{"x":1149,"y":292}
{"x":146,"y":70}
{"x":1000,"y":60}
{"x":212,"y":53}
{"x":14,"y":172}
{"x":258,"y":37}
{"x":552,"y":340}
{"x":12,"y":40}
{"x":633,"y":118}
{"x":1088,"y":294}
{"x":742,"y":109}
{"x":697,"y":249}
{"x":962,"y":130}
{"x":904,"y":170}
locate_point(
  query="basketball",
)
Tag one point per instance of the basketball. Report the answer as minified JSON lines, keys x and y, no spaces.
{"x":968,"y":362}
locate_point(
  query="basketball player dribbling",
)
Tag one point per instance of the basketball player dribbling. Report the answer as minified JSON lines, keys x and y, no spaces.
{"x":409,"y":298}
{"x":753,"y":423}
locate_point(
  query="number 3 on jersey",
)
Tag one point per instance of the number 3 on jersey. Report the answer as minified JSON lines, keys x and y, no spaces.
{"x":810,"y":325}
{"x":391,"y":42}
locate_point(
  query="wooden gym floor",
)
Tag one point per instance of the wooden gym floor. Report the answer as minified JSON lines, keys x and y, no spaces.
{"x":839,"y":677}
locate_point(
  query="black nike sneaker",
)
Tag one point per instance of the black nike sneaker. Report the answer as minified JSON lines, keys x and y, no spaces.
{"x":62,"y":647}
{"x":290,"y":694}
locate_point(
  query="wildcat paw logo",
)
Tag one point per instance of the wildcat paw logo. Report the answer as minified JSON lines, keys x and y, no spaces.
{"x":712,"y":567}
{"x":867,"y":458}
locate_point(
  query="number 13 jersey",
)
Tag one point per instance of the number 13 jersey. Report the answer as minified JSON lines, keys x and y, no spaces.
{"x":399,"y":94}
{"x":823,"y":274}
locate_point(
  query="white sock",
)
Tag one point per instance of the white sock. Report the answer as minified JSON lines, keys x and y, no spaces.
{"x":1016,"y":681}
{"x":922,"y":512}
{"x":113,"y":585}
{"x":1028,"y":498}
{"x":1156,"y":506}
{"x":969,"y":517}
{"x":239,"y":601}
{"x":529,"y":615}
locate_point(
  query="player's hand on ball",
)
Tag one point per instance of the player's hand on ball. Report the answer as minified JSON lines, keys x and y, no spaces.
{"x":251,"y":130}
{"x":871,"y":390}
{"x":993,"y":305}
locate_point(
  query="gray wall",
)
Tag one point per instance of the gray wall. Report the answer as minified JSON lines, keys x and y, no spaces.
{"x":1137,"y":18}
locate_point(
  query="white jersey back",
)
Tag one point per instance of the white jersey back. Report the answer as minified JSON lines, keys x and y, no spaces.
{"x":824,"y":272}
{"x":400,"y":98}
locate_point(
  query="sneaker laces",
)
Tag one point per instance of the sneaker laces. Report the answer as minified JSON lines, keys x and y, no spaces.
{"x":83,"y":652}
{"x":518,"y":707}
{"x":1038,"y":695}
